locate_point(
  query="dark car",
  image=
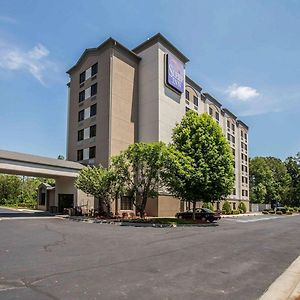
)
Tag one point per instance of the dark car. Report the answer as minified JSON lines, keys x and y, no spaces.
{"x":203,"y":214}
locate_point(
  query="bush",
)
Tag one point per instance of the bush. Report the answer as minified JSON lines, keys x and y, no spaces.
{"x":265,"y":212}
{"x":279,"y":212}
{"x":235,"y":212}
{"x":208,"y":205}
{"x":272,"y":212}
{"x":289,"y":213}
{"x":227,"y":207}
{"x":242,"y":207}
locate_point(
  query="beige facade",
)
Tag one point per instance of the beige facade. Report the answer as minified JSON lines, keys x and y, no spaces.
{"x":134,"y":104}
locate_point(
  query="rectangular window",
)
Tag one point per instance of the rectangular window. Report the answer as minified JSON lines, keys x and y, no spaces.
{"x":80,"y":135}
{"x":81,"y":115}
{"x":196,"y":100}
{"x":92,"y":131}
{"x":245,"y":136}
{"x":228,"y":137}
{"x":233,"y":127}
{"x":126,"y":203}
{"x":93,"y":110}
{"x":234,"y":206}
{"x":233,"y":139}
{"x":81,"y":96}
{"x":187,"y":95}
{"x":246,"y":193}
{"x":243,"y":193}
{"x":242,"y":145}
{"x":210,"y":111}
{"x":92,"y":152}
{"x":42,"y":199}
{"x":228,"y":124}
{"x":94,"y":69}
{"x":234,"y":192}
{"x":245,"y":146}
{"x":94,"y":89}
{"x":82,"y":77}
{"x":79,"y":155}
{"x":217,"y":116}
{"x":233,"y":151}
{"x":187,"y":109}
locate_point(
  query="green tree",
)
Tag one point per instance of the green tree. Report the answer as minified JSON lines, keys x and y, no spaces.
{"x":200,"y":138}
{"x":226,"y":207}
{"x":10,"y":188}
{"x":242,"y":207}
{"x":100,"y":183}
{"x":293,"y":168}
{"x":144,"y":168}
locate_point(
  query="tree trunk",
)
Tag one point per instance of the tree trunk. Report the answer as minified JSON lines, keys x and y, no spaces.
{"x":194,"y":210}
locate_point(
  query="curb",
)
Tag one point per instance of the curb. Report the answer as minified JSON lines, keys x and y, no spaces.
{"x":286,"y":286}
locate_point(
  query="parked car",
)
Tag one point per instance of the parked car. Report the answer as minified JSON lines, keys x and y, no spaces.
{"x":203,"y":214}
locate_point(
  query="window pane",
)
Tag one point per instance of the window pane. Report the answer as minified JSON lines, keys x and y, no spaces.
{"x":80,"y":135}
{"x":187,"y":95}
{"x":81,"y":96}
{"x":82,"y":77}
{"x":126,"y":203}
{"x":81,"y":115}
{"x":94,"y":69}
{"x":79,"y":154}
{"x":94,"y":89}
{"x":92,"y":131}
{"x":217,"y":116}
{"x":93,"y":110}
{"x":210,"y":111}
{"x":92,"y":152}
{"x":196,"y":100}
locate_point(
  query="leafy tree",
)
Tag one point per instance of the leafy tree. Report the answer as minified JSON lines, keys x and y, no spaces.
{"x":99,"y":182}
{"x":10,"y":188}
{"x":293,"y":168}
{"x":226,"y":207}
{"x":200,"y":138}
{"x":208,"y":205}
{"x":144,"y":168}
{"x":269,"y":180}
{"x":242,"y":207}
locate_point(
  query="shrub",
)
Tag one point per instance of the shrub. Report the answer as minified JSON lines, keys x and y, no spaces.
{"x":242,"y":207}
{"x":279,"y":212}
{"x":227,"y":207}
{"x":265,"y":212}
{"x":235,"y":212}
{"x":296,"y":209}
{"x":208,"y":205}
{"x":271,"y":212}
{"x":289,"y":213}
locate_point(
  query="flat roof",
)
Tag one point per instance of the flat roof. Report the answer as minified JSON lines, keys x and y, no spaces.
{"x":228,"y":112}
{"x":159,"y":38}
{"x":212,"y":99}
{"x":193,"y":83}
{"x":40,"y":160}
{"x":242,"y":123}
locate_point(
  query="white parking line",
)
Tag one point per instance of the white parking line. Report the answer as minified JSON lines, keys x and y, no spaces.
{"x":257,"y":220}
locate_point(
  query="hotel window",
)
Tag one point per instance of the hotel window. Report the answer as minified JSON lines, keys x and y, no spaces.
{"x":81,"y":96}
{"x":233,"y":151}
{"x":93,"y":110}
{"x":81,"y":115}
{"x":228,"y":124}
{"x":80,"y":154}
{"x":245,"y":147}
{"x":187,"y":95}
{"x":245,"y":136}
{"x":196,"y":100}
{"x":94,"y":69}
{"x":92,"y":131}
{"x":217,"y":116}
{"x":228,"y":137}
{"x":234,"y":207}
{"x":246,"y":193}
{"x":210,"y":111}
{"x":82,"y":77}
{"x":187,"y":109}
{"x":232,"y":127}
{"x":243,"y":193}
{"x":80,"y":135}
{"x":92,"y":152}
{"x":233,"y":139}
{"x":242,"y":134}
{"x":234,"y":192}
{"x":94,"y":89}
{"x":126,"y":203}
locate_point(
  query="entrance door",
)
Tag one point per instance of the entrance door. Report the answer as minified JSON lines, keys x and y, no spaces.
{"x":65,"y":201}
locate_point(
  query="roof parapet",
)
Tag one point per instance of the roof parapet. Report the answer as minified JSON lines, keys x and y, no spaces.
{"x":192,"y":83}
{"x":212,"y":99}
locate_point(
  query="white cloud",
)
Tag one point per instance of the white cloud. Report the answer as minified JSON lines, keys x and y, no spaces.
{"x":242,"y":93}
{"x":35,"y":61}
{"x":7,"y":19}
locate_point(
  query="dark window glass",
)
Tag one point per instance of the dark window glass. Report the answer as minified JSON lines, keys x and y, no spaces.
{"x":42,"y":199}
{"x":228,"y":137}
{"x":92,"y":152}
{"x":92,"y":131}
{"x":245,"y":136}
{"x":234,"y":207}
{"x":81,"y":115}
{"x":246,"y":193}
{"x":187,"y":109}
{"x":245,"y":146}
{"x":242,"y":192}
{"x":210,"y":111}
{"x":233,"y":151}
{"x":242,"y":145}
{"x":80,"y":154}
{"x":228,"y":124}
{"x":94,"y":89}
{"x":93,"y":110}
{"x":233,"y":139}
{"x":82,"y":77}
{"x":196,"y":100}
{"x":242,"y":133}
{"x":81,"y":96}
{"x":80,"y":135}
{"x":94,"y":69}
{"x":187,"y":95}
{"x":234,"y":192}
{"x":217,"y":116}
{"x":233,"y":127}
{"x":126,"y":203}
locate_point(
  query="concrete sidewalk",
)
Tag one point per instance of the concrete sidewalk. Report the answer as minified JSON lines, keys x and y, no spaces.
{"x":286,"y":286}
{"x":250,"y":214}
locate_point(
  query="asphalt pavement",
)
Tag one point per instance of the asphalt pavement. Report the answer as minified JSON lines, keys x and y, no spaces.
{"x":63,"y":259}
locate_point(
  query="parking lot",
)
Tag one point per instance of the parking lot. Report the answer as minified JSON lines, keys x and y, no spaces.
{"x":61,"y":259}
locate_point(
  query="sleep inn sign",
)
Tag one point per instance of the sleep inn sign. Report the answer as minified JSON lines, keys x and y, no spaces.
{"x":174,"y":73}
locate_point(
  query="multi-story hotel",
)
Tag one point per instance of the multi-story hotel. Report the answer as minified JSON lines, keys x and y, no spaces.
{"x":119,"y":96}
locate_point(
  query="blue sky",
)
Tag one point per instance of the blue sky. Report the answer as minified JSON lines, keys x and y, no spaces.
{"x":245,"y":53}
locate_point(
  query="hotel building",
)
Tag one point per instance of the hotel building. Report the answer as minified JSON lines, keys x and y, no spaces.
{"x":119,"y":96}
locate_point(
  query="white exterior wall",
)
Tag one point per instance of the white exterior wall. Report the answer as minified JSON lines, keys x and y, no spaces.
{"x":148,"y":95}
